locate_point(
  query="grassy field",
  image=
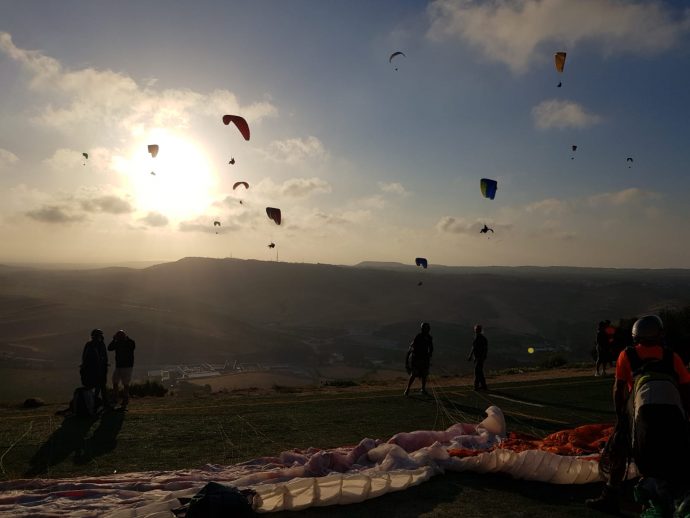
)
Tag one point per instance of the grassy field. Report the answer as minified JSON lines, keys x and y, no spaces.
{"x":187,"y":432}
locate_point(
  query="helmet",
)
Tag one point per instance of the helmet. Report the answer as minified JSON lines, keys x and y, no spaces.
{"x":649,"y":328}
{"x":478,"y":328}
{"x":96,"y":332}
{"x":426,"y":326}
{"x":120,"y":335}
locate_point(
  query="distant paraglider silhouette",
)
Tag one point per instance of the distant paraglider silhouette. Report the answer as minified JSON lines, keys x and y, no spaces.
{"x":398,"y":53}
{"x":153,"y":149}
{"x":86,"y":157}
{"x":630,"y":161}
{"x":486,"y":229}
{"x":232,"y":161}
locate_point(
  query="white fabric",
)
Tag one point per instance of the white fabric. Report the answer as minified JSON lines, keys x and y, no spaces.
{"x":296,"y":480}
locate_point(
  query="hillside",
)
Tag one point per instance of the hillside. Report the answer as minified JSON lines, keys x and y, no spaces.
{"x":199,"y":309}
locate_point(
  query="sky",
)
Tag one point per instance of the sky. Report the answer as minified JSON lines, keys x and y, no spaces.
{"x":367,"y":159}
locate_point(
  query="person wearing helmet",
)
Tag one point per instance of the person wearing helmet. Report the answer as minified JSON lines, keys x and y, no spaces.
{"x":94,"y":367}
{"x":651,"y":396}
{"x":124,"y":347}
{"x":479,"y":352}
{"x":418,"y":358}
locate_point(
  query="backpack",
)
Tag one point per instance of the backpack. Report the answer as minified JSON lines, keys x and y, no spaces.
{"x":657,"y":417}
{"x":217,"y":500}
{"x":83,"y":402}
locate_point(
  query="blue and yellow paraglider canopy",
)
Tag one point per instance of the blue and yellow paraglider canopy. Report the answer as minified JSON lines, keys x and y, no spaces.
{"x":421,"y":261}
{"x":488,"y":188}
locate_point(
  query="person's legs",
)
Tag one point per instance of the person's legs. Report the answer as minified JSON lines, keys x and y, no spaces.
{"x":126,"y":377}
{"x":116,"y":385}
{"x":409,"y":383}
{"x":480,"y":380}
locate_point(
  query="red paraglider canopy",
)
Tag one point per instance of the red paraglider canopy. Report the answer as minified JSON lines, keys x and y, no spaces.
{"x":238,"y":121}
{"x":273,"y":214}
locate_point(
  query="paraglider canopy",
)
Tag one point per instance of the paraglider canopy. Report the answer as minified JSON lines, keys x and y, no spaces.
{"x":153,"y":149}
{"x":574,"y":148}
{"x":559,"y":60}
{"x":237,"y":184}
{"x":272,"y":245}
{"x":421,"y":261}
{"x":216,"y":223}
{"x":85,"y":155}
{"x":488,"y":187}
{"x":398,"y":53}
{"x":486,"y":229}
{"x":232,"y":161}
{"x":238,"y":121}
{"x":274,"y":214}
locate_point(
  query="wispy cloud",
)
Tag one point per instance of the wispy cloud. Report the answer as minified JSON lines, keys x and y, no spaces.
{"x":109,"y":204}
{"x":549,"y":206}
{"x":113,"y":99}
{"x":55,"y":214}
{"x":292,"y":188}
{"x":7,"y":158}
{"x":632,"y":195}
{"x":520,"y":32}
{"x":154,"y":219}
{"x":562,"y":114}
{"x":394,"y":188}
{"x":296,"y":150}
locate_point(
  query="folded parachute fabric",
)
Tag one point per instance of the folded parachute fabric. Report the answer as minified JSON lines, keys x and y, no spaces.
{"x":298,"y":479}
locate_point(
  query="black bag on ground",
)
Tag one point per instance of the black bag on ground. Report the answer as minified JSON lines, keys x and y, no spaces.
{"x":83,"y":402}
{"x":219,"y":501}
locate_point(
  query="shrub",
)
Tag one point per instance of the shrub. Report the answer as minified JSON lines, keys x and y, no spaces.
{"x":148,"y":388}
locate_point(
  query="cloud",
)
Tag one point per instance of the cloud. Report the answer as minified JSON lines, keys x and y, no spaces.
{"x":393,"y":188}
{"x":109,"y":204}
{"x":296,"y":151}
{"x":519,"y":32}
{"x":7,"y":158}
{"x":549,"y":206}
{"x":54,"y":214}
{"x":562,"y":114}
{"x":108,"y":98}
{"x":154,"y":219}
{"x":452,"y":225}
{"x":628,"y":196}
{"x":292,"y":188}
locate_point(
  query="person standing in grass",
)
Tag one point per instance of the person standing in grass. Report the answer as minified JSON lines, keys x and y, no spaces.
{"x":94,"y":367}
{"x":479,"y":352}
{"x":418,"y":358}
{"x":123,"y":346}
{"x":602,"y":349}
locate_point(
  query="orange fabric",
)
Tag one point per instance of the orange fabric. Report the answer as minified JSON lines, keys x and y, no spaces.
{"x":583,"y":440}
{"x":624,"y":372}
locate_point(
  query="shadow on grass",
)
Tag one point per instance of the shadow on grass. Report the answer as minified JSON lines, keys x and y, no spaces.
{"x":66,"y":440}
{"x":104,"y":438}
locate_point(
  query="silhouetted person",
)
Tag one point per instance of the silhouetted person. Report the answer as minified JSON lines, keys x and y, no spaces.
{"x":123,"y":346}
{"x":651,"y":395}
{"x":419,"y":357}
{"x":94,"y":366}
{"x":602,"y":349}
{"x":480,"y":349}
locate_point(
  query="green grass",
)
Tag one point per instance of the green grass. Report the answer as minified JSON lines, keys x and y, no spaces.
{"x":187,"y":432}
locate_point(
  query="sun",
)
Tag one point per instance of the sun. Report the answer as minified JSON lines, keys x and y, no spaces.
{"x":179,"y":182}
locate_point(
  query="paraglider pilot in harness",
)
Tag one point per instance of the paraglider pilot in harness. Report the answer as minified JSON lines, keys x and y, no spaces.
{"x":651,"y":395}
{"x":418,"y":358}
{"x":479,"y":352}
